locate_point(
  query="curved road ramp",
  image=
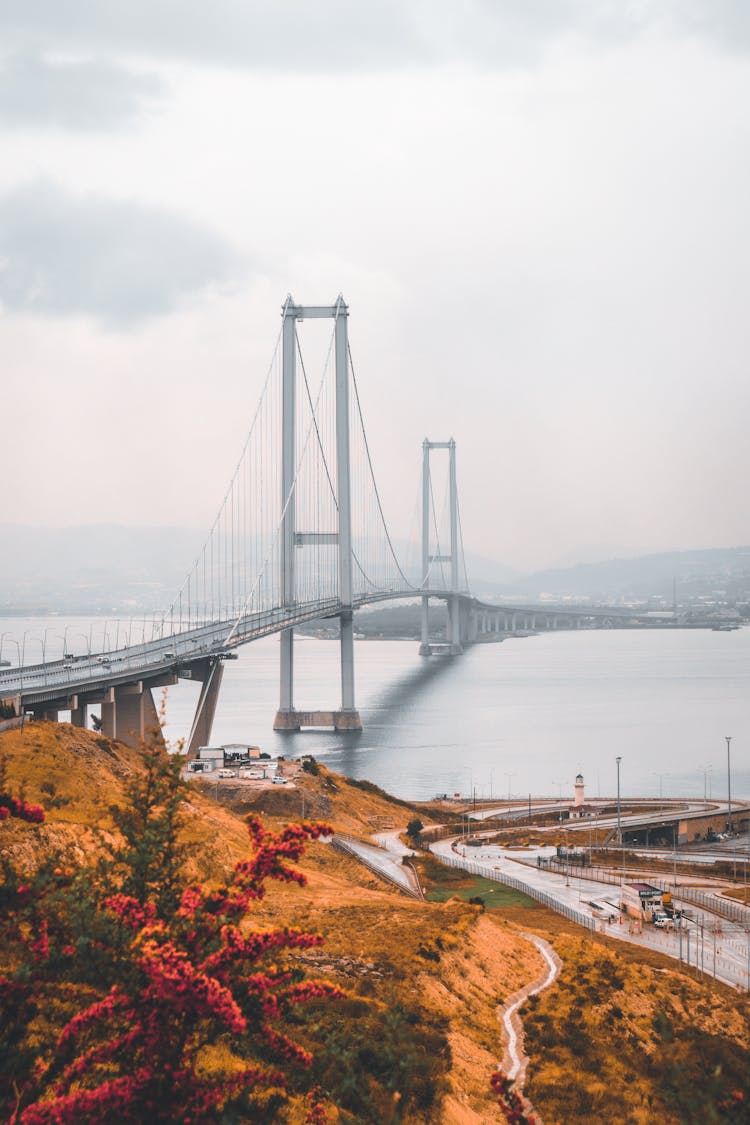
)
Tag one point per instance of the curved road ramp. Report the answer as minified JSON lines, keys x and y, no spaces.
{"x":382,"y":863}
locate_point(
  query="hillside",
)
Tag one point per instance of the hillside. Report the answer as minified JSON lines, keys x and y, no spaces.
{"x":110,"y":569}
{"x":427,"y":964}
{"x":423,"y":980}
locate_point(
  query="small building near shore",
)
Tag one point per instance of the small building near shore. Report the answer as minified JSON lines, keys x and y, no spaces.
{"x":580,"y":808}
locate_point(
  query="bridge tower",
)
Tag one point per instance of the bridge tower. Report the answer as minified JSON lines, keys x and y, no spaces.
{"x":454,"y":620}
{"x":287,"y":717}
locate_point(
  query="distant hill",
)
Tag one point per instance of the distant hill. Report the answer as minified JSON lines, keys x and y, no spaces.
{"x":111,"y":569}
{"x":721,"y":574}
{"x":99,"y":568}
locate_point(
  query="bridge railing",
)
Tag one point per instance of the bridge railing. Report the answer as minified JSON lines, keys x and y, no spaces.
{"x":347,"y":844}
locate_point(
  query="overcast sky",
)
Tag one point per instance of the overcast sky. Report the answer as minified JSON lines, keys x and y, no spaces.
{"x":537,"y":211}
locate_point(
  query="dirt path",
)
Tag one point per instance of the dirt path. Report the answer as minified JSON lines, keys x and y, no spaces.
{"x":515,"y":1060}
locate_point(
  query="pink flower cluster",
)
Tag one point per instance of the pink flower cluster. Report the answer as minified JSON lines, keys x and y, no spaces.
{"x":510,"y":1101}
{"x":187,"y":980}
{"x":14,"y":806}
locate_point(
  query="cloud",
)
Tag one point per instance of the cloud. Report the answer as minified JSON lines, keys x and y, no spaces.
{"x":337,"y":35}
{"x":75,"y":95}
{"x":118,"y":262}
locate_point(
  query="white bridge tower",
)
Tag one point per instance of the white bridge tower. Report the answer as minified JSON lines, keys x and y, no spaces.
{"x":287,"y":717}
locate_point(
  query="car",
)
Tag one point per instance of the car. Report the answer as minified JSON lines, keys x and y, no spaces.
{"x":225,"y":773}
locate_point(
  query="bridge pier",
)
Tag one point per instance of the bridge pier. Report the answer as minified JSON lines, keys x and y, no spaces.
{"x":211,"y":672}
{"x":46,"y":714}
{"x":128,"y":714}
{"x":78,"y":711}
{"x":456,"y":631}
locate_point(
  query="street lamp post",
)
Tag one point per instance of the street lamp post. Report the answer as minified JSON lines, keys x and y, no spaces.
{"x":559,"y":785}
{"x":730,"y":826}
{"x":618,"y":759}
{"x":509,"y":774}
{"x":661,"y":777}
{"x":64,"y":638}
{"x":705,"y":770}
{"x":13,"y":641}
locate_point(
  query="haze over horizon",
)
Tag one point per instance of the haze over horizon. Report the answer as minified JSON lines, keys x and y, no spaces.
{"x":536,"y":212}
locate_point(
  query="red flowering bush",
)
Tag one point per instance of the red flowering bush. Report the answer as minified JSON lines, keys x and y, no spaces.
{"x":126,"y":997}
{"x":18,"y":807}
{"x":510,"y":1101}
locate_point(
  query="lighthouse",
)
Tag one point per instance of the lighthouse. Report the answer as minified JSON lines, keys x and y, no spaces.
{"x":578,"y":799}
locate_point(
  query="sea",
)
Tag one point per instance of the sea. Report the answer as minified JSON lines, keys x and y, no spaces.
{"x":514,"y":718}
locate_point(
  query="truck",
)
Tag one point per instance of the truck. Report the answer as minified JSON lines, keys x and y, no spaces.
{"x":641,"y":901}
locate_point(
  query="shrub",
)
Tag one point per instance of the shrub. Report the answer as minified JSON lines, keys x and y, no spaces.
{"x":129,"y":996}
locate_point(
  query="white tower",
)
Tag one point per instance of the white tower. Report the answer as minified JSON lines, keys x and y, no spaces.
{"x":578,"y":798}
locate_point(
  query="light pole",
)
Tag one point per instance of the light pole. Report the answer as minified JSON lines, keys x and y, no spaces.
{"x":13,"y":641}
{"x":618,"y":759}
{"x":41,"y":643}
{"x":64,"y":638}
{"x":730,"y":826}
{"x":509,"y":774}
{"x":705,"y":770}
{"x":559,"y":785}
{"x":87,"y":639}
{"x":661,"y":777}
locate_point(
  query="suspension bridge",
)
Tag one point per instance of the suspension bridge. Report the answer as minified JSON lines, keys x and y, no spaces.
{"x":300,"y":535}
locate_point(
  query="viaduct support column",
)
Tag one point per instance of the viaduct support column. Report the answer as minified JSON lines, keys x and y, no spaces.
{"x":200,"y":735}
{"x":109,"y":714}
{"x":136,"y":715}
{"x":78,"y":711}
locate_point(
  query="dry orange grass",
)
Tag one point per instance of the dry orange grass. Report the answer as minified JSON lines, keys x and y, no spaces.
{"x":448,"y":961}
{"x":597,"y":1046}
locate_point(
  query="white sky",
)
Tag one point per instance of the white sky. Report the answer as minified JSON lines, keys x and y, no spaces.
{"x":536,"y":211}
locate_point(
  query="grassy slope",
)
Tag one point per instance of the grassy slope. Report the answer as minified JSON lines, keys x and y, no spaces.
{"x":600,"y":1049}
{"x":627,"y":1036}
{"x":443,"y":961}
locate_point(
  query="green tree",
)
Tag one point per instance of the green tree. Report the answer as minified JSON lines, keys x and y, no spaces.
{"x":151,"y":855}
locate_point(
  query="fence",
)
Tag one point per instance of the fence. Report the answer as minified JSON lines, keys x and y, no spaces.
{"x":475,"y":868}
{"x":709,"y":961}
{"x":348,"y":845}
{"x":714,"y":903}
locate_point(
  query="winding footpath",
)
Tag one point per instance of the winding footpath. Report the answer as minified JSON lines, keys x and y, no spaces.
{"x":515,"y":1060}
